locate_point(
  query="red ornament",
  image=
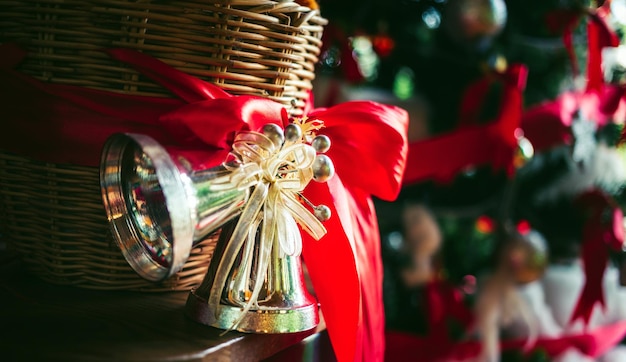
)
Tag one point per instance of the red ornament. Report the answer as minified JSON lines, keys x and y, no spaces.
{"x":383,"y":45}
{"x":485,"y":224}
{"x":523,"y":227}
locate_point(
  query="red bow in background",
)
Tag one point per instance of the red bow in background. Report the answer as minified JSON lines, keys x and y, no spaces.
{"x":442,"y":157}
{"x":549,"y":124}
{"x":603,"y":230}
{"x":69,"y":124}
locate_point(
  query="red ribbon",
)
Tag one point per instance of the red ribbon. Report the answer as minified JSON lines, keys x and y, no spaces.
{"x":403,"y":347}
{"x":603,"y":230}
{"x":549,"y":124}
{"x":68,"y":124}
{"x":443,"y":157}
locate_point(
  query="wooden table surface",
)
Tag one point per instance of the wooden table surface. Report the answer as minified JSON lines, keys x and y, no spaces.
{"x":45,"y":322}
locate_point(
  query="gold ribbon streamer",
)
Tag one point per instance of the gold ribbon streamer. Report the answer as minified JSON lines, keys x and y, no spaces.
{"x":277,"y":173}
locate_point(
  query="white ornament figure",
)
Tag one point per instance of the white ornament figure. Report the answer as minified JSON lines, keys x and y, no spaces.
{"x":500,"y":304}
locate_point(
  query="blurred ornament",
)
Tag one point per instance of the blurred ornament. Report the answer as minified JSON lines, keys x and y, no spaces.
{"x":523,"y":227}
{"x":524,"y":152}
{"x":469,"y":284}
{"x":331,"y":57}
{"x":423,"y":239}
{"x":383,"y":45}
{"x":526,"y":256}
{"x":404,"y":83}
{"x":365,"y":55}
{"x":485,"y":224}
{"x":432,"y":18}
{"x":497,"y":63}
{"x":475,"y":22}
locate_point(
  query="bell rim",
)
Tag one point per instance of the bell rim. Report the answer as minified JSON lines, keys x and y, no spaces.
{"x":301,"y":318}
{"x":173,"y":188}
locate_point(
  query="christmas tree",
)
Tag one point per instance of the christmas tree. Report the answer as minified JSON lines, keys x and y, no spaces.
{"x":449,"y":62}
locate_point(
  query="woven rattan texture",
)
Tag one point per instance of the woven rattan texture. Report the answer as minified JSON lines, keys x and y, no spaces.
{"x":251,"y":47}
{"x":52,"y":216}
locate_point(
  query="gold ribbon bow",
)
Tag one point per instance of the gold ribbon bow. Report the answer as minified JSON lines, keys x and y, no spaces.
{"x":278,"y":169}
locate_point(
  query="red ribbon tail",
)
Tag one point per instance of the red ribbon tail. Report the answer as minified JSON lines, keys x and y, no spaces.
{"x":186,"y":87}
{"x":595,"y":257}
{"x":592,"y":294}
{"x":599,"y":36}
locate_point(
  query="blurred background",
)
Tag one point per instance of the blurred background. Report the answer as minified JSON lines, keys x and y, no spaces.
{"x":425,"y":56}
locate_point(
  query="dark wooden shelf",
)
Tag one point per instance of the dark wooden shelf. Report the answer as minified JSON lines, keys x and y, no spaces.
{"x":44,"y":322}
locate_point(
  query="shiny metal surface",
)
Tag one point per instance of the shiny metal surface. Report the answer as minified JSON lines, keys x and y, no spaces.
{"x":283,"y":306}
{"x":159,"y":206}
{"x":157,"y":209}
{"x":283,"y":286}
{"x":295,"y":319}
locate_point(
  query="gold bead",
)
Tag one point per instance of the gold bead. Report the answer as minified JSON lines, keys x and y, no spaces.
{"x":323,"y":168}
{"x":275,"y":133}
{"x":293,"y":133}
{"x":321,"y":143}
{"x":322,"y":212}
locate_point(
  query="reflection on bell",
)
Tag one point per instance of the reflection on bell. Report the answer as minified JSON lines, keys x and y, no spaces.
{"x":283,"y":306}
{"x":157,"y":208}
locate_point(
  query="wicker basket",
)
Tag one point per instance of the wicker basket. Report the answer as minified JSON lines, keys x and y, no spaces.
{"x":52,"y":214}
{"x":253,"y":47}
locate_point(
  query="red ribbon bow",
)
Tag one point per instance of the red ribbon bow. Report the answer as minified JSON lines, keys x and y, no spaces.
{"x":443,"y":157}
{"x":603,"y":230}
{"x":68,"y":124}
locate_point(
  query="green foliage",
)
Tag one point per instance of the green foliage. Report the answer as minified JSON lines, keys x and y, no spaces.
{"x":466,"y":249}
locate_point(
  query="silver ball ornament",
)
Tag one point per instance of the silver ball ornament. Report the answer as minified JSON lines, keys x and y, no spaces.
{"x":323,"y":168}
{"x":275,"y":133}
{"x":322,"y":212}
{"x":475,"y":22}
{"x":293,"y":133}
{"x":321,"y":143}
